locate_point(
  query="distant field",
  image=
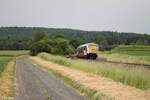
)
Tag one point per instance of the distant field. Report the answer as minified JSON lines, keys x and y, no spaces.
{"x":4,"y":61}
{"x":13,"y":53}
{"x":137,"y":77}
{"x":133,"y":50}
{"x":128,"y":54}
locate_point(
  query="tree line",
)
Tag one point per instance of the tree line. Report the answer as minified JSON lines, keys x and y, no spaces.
{"x":20,"y":38}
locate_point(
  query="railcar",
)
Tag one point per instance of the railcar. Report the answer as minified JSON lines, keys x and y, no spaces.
{"x":88,"y":51}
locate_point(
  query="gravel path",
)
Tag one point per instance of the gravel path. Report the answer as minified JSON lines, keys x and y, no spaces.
{"x":36,"y":84}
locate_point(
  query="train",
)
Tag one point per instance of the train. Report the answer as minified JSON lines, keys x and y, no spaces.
{"x":88,"y":51}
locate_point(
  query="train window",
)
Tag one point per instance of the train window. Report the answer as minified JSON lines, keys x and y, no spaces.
{"x":80,"y":50}
{"x":85,"y":48}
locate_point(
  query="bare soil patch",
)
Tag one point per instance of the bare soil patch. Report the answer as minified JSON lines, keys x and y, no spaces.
{"x":108,"y":87}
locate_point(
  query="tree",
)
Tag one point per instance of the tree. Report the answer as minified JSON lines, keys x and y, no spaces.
{"x":39,"y":35}
{"x":62,"y":47}
{"x":75,"y":42}
{"x":40,"y":46}
{"x":59,"y":36}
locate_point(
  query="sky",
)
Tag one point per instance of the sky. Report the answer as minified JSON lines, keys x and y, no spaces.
{"x":92,"y":15}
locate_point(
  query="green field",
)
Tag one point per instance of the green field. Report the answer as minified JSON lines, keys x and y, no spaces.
{"x":133,"y":50}
{"x":6,"y":56}
{"x":128,"y":54}
{"x":4,"y":61}
{"x":13,"y":53}
{"x":137,"y":77}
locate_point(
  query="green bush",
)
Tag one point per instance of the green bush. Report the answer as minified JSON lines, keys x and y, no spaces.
{"x":40,"y":46}
{"x":58,"y":45}
{"x":62,"y":47}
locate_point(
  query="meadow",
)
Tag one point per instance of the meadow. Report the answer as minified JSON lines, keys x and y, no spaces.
{"x":128,"y":54}
{"x":137,"y":77}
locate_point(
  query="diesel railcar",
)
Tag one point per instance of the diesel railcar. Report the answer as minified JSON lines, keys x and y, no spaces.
{"x":88,"y":51}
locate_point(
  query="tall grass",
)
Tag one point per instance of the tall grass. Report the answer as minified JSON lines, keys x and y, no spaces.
{"x":137,"y":77}
{"x":3,"y":62}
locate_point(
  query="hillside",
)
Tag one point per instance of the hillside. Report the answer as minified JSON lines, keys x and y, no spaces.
{"x":19,"y":37}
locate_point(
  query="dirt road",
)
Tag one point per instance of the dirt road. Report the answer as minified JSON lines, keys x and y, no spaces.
{"x":36,"y":84}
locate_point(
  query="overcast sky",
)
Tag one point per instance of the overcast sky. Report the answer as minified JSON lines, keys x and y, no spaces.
{"x":100,"y":15}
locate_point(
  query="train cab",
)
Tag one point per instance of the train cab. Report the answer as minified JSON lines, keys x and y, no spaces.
{"x":88,"y":51}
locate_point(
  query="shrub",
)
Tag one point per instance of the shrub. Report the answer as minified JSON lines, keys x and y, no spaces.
{"x":62,"y":47}
{"x":40,"y":46}
{"x":58,"y":45}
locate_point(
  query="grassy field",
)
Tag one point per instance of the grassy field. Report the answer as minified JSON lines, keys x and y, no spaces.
{"x":6,"y":56}
{"x":137,"y":77}
{"x":133,"y":50}
{"x":4,"y":61}
{"x":13,"y":53}
{"x":128,"y":54}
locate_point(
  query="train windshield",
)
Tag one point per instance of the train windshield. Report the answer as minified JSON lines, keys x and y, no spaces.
{"x":93,"y":48}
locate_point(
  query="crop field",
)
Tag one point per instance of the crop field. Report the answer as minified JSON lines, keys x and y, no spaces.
{"x":133,"y":50}
{"x":4,"y":61}
{"x":128,"y":54}
{"x":6,"y":56}
{"x":13,"y":53}
{"x":137,"y":77}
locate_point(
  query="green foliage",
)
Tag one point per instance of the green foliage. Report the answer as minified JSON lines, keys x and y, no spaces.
{"x":59,"y":36}
{"x":40,"y":46}
{"x":137,"y":77}
{"x":39,"y":35}
{"x":62,"y":47}
{"x":19,"y":38}
{"x":3,"y":62}
{"x":76,"y":42}
{"x":58,"y":45}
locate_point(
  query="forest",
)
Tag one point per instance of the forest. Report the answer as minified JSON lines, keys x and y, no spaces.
{"x":21,"y":38}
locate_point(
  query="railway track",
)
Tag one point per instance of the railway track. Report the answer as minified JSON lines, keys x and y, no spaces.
{"x":124,"y":63}
{"x":130,"y":65}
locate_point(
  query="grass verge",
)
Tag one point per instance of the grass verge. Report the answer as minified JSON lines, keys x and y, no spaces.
{"x":137,"y":77}
{"x":7,"y":80}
